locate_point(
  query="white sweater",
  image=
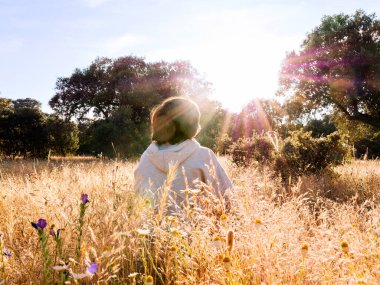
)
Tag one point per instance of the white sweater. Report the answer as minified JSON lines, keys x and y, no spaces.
{"x":198,"y":163}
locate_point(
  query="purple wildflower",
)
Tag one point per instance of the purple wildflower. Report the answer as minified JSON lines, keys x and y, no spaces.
{"x":92,"y":268}
{"x":54,"y":233}
{"x":40,"y":225}
{"x":7,"y":252}
{"x":84,"y":198}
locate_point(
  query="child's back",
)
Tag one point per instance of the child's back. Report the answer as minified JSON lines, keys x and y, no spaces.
{"x":194,"y":164}
{"x":175,"y":123}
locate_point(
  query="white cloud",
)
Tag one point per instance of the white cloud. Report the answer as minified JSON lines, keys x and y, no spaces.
{"x":94,"y":3}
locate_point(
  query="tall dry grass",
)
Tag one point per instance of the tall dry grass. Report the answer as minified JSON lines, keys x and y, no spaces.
{"x":270,"y":236}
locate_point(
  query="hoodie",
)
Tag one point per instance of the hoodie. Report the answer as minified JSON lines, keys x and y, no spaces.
{"x":192,"y":164}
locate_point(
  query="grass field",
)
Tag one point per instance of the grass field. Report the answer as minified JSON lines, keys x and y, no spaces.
{"x":319,"y":230}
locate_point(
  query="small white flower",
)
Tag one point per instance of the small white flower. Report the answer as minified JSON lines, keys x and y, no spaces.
{"x":195,"y":191}
{"x":61,"y":267}
{"x":217,"y":243}
{"x":177,"y":232}
{"x":133,"y":275}
{"x":73,"y":260}
{"x":77,"y":276}
{"x":123,"y":234}
{"x":142,"y":232}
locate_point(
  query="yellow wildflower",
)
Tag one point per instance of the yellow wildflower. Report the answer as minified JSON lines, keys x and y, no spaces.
{"x":344,"y":246}
{"x":305,"y":250}
{"x":148,"y":280}
{"x":227,"y":263}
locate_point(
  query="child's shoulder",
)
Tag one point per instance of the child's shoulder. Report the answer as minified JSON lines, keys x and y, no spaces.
{"x":205,"y":152}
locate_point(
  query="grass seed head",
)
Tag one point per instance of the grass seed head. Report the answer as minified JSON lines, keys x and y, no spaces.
{"x":344,"y":246}
{"x":305,"y":250}
{"x":230,"y":240}
{"x":148,"y":280}
{"x":227,"y":263}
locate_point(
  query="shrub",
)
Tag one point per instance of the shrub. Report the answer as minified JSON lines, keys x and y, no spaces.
{"x":303,"y":154}
{"x":247,"y":150}
{"x":299,"y":154}
{"x":223,"y":143}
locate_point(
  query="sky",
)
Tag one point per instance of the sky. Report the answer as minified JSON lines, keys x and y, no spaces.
{"x":236,"y":45}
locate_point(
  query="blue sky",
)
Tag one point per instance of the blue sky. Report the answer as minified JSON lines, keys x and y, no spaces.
{"x":236,"y":45}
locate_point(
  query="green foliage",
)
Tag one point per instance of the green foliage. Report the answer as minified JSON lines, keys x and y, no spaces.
{"x":299,"y":154}
{"x":106,"y":85}
{"x":303,"y":154}
{"x":321,"y":127}
{"x":247,"y":150}
{"x":212,"y":118}
{"x":364,"y":138}
{"x":336,"y":69}
{"x":26,"y":131}
{"x":118,"y":136}
{"x":63,"y":135}
{"x":23,"y":132}
{"x":223,"y":143}
{"x":27,"y":103}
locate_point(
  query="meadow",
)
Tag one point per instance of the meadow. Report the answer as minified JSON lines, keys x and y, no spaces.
{"x":316,"y":230}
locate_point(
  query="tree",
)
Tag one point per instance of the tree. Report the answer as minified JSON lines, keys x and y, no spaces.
{"x":62,"y":135}
{"x":23,"y":132}
{"x":364,"y":138}
{"x":26,"y":131}
{"x":27,"y":103}
{"x":83,"y":91}
{"x":321,"y":127}
{"x":212,"y":118}
{"x":337,"y":68}
{"x":6,"y":106}
{"x":112,"y":100}
{"x":107,"y":85}
{"x":118,"y":135}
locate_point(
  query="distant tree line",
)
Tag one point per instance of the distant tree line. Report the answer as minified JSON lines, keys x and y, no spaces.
{"x":28,"y":132}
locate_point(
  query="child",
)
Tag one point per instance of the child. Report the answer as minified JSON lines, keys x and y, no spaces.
{"x":174,"y":124}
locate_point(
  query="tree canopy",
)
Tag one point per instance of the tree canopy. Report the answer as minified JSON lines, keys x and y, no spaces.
{"x":107,"y":84}
{"x":337,"y":68}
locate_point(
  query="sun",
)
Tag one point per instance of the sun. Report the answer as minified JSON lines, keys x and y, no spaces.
{"x":239,"y":73}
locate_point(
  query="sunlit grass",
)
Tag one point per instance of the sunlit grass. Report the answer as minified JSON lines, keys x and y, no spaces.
{"x":270,"y":236}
